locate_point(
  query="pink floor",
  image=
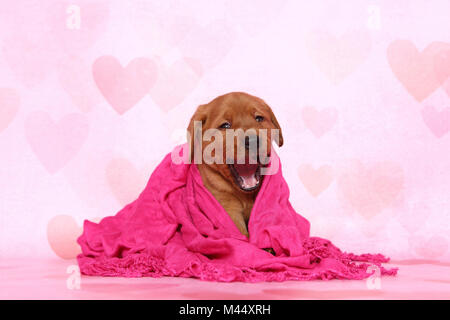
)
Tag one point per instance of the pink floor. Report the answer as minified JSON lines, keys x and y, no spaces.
{"x":48,"y":279}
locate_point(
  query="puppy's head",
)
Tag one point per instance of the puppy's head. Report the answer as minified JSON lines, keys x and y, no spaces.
{"x":232,"y":135}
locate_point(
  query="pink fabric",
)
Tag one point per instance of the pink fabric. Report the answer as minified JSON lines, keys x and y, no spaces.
{"x":177,"y":228}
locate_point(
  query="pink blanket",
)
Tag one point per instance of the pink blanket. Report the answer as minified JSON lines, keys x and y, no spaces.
{"x":177,"y":228}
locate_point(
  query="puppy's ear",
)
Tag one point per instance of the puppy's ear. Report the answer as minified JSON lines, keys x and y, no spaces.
{"x":194,"y":132}
{"x":276,"y":125}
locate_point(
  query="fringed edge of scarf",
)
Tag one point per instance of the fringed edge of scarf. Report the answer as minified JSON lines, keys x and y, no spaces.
{"x":144,"y":265}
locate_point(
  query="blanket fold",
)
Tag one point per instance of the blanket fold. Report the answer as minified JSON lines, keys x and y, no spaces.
{"x":177,"y":228}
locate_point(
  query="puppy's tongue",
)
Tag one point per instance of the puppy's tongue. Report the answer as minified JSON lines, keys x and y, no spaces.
{"x":247,"y":172}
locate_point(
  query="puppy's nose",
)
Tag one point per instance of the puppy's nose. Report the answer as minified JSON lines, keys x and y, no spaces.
{"x":251,"y":141}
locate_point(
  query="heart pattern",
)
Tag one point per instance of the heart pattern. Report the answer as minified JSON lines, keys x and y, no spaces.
{"x":122,"y":87}
{"x":417,"y":70}
{"x":442,"y":69}
{"x":446,"y":87}
{"x":319,"y":122}
{"x":32,"y":68}
{"x":442,"y":62}
{"x":315,"y":180}
{"x":175,"y":83}
{"x":92,"y":106}
{"x":437,"y":121}
{"x":55,"y":144}
{"x":338,"y":57}
{"x":369,"y":189}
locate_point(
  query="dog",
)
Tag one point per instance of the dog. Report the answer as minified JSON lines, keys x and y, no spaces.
{"x":234,"y":185}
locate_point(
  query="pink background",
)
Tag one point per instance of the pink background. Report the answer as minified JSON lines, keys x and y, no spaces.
{"x":360,"y":88}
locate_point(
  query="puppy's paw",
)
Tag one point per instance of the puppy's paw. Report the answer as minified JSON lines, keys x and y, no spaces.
{"x":269,"y":250}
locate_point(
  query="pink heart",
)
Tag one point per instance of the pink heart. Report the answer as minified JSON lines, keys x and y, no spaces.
{"x":371,"y":189}
{"x":28,"y":60}
{"x":55,"y":143}
{"x":62,"y":235}
{"x":442,"y":69}
{"x":446,"y":87}
{"x":76,"y":79}
{"x":124,"y":87}
{"x":174,"y":83}
{"x":415,"y":70}
{"x":126,"y":182}
{"x":319,"y":122}
{"x":208,"y":44}
{"x":437,"y":121}
{"x":429,"y":247}
{"x":339,"y":57}
{"x":77,"y":24}
{"x":315,"y":180}
{"x":442,"y":63}
{"x":9,"y":105}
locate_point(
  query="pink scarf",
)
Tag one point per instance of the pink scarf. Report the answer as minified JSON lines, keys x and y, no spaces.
{"x":177,"y":228}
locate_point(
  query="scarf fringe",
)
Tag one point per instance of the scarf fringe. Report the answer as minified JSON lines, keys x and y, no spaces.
{"x":144,"y":265}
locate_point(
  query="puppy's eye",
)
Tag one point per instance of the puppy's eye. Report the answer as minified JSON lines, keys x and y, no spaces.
{"x":225,"y":125}
{"x":259,"y":118}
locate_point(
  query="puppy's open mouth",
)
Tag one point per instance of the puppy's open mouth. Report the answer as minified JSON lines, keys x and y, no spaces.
{"x":246,"y":176}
